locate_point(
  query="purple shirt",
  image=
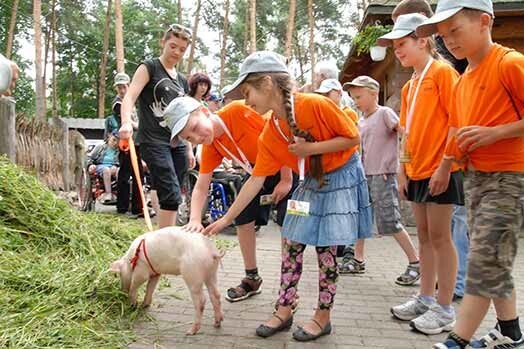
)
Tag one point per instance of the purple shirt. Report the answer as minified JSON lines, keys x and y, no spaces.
{"x":379,"y":141}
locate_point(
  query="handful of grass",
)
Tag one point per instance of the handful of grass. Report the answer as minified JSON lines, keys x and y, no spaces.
{"x":54,"y":289}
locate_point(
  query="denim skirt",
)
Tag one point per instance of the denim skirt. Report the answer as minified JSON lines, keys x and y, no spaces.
{"x":339,"y":212}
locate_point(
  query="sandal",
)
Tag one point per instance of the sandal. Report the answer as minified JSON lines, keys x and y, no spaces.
{"x":302,"y":335}
{"x":409,"y":277}
{"x":352,"y":267}
{"x":266,"y":331}
{"x":247,"y":288}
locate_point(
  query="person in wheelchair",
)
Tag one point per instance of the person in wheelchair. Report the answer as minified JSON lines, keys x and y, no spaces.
{"x":233,"y":134}
{"x":103,"y":161}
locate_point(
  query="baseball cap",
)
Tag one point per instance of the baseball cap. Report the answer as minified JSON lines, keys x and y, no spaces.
{"x":214,"y":97}
{"x":328,"y":85}
{"x":121,"y":79}
{"x":5,"y":74}
{"x":177,"y":113}
{"x":404,"y":26}
{"x":257,"y":62}
{"x":363,"y":81}
{"x":447,"y":9}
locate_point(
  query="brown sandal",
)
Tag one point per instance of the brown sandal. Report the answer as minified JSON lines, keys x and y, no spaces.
{"x":247,"y":288}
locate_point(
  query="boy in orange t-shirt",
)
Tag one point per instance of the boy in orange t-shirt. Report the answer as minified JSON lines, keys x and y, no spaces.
{"x":233,"y":134}
{"x":487,"y":111}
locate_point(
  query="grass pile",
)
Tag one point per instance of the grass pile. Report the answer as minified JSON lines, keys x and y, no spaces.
{"x":54,"y":288}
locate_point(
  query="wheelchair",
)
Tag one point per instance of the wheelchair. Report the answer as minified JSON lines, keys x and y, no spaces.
{"x":91,"y":188}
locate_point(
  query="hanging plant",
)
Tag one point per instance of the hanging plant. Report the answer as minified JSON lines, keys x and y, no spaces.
{"x":367,"y":37}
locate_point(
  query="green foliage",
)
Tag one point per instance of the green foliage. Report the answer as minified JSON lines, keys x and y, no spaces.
{"x":368,"y":36}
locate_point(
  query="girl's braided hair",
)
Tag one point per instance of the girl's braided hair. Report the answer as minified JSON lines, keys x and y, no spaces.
{"x":285,"y":85}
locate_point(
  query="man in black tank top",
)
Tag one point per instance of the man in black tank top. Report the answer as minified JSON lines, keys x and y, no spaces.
{"x":156,"y":83}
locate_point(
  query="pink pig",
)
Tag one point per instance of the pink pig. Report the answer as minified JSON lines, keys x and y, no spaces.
{"x":173,"y":251}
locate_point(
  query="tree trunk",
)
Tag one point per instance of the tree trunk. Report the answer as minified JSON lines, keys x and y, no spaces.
{"x":47,"y":39}
{"x":12,"y":28}
{"x":246,"y":31}
{"x":253,"y":26}
{"x":119,"y":38}
{"x":102,"y":84}
{"x":311,"y":37}
{"x":180,"y":63}
{"x":53,"y":60}
{"x":224,"y":47}
{"x":39,"y":83}
{"x":194,"y":40}
{"x":298,"y":54}
{"x":290,"y":29}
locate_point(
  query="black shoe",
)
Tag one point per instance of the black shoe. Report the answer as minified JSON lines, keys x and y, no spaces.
{"x":302,"y":335}
{"x":266,"y":331}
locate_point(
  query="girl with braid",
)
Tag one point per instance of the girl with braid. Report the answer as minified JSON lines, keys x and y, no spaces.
{"x":311,"y":135}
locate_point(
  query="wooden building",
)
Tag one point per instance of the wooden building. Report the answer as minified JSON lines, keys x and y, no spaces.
{"x":508,"y":30}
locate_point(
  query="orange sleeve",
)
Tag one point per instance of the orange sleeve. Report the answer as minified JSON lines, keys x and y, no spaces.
{"x":210,"y":160}
{"x":446,"y":78}
{"x":335,"y":119}
{"x":512,"y":72}
{"x":266,"y":164}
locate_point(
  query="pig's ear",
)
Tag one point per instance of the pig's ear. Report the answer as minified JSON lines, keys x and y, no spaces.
{"x":116,"y":266}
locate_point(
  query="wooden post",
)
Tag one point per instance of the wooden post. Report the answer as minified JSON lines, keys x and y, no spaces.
{"x":119,"y":38}
{"x":8,"y":128}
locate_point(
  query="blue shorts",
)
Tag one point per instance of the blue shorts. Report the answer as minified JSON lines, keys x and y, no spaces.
{"x":100,"y":169}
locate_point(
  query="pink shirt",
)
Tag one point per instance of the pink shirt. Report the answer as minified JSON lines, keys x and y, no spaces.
{"x":379,"y":142}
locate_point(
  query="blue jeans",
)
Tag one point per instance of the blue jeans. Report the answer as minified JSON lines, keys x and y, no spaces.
{"x":459,"y":232}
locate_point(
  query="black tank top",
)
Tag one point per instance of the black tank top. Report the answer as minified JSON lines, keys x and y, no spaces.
{"x":154,"y":98}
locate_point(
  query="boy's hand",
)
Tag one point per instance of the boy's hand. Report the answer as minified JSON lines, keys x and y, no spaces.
{"x":281,"y":190}
{"x":472,"y":137}
{"x":402,"y":185}
{"x":439,"y":180}
{"x":216,"y":227}
{"x":191,"y":160}
{"x":193,"y":227}
{"x":126,"y":131}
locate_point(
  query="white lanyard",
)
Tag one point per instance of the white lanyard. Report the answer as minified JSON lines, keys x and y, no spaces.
{"x":301,"y":161}
{"x":245,"y":162}
{"x":414,"y":98}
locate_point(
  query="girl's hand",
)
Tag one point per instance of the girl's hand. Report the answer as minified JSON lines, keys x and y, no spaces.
{"x":193,"y":227}
{"x":216,"y":227}
{"x":402,"y":186}
{"x":301,"y":148}
{"x":439,"y":181}
{"x":191,"y":161}
{"x":281,"y":190}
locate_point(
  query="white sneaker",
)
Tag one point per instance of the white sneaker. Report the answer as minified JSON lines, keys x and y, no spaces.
{"x":410,"y":310}
{"x":495,"y":339}
{"x":434,"y":321}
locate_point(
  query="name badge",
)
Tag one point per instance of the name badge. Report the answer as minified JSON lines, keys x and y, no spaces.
{"x":298,"y":208}
{"x":266,"y":200}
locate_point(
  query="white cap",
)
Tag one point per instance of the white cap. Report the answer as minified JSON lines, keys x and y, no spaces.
{"x":328,"y":85}
{"x":177,"y":113}
{"x":121,"y":79}
{"x":404,"y":26}
{"x":257,"y":62}
{"x":447,"y":9}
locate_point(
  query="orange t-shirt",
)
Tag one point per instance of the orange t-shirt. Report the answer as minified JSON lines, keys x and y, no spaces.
{"x":313,"y":113}
{"x":245,"y":126}
{"x":481,"y":99}
{"x":428,"y":134}
{"x":353,"y":116}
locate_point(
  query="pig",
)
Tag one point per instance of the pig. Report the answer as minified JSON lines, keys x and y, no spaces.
{"x":176,"y":252}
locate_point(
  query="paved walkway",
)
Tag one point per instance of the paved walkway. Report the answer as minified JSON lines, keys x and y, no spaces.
{"x":361,"y":317}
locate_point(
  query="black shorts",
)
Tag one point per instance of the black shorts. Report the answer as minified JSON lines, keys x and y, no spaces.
{"x":167,"y":167}
{"x":260,"y":214}
{"x":418,"y":191}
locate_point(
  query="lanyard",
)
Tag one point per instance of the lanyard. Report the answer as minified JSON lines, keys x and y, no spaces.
{"x":245,"y":162}
{"x":414,"y":97}
{"x":301,"y":161}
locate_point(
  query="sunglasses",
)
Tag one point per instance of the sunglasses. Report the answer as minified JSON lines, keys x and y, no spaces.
{"x":177,"y":28}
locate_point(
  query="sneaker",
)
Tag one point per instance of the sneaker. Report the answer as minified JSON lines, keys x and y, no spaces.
{"x":494,"y":339}
{"x":434,"y":321}
{"x":352,"y":267}
{"x":410,"y":310}
{"x":410,"y":276}
{"x":448,"y":344}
